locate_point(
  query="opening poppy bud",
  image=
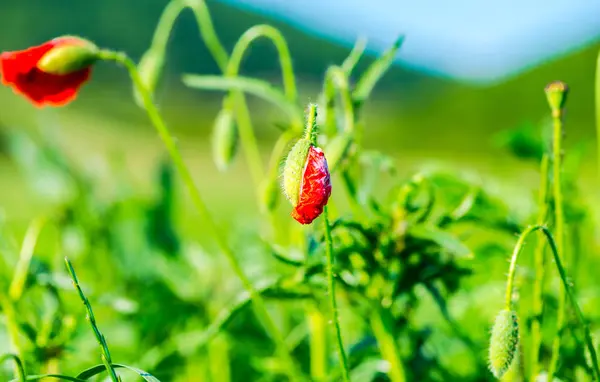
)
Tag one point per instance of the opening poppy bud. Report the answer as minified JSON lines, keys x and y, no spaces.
{"x":72,"y":55}
{"x":306,"y":178}
{"x":51,"y":73}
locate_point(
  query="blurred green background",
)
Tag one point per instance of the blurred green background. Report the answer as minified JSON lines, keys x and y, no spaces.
{"x":419,"y":120}
{"x":413,"y":117}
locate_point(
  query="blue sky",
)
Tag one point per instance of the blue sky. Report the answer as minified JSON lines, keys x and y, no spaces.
{"x":470,"y":40}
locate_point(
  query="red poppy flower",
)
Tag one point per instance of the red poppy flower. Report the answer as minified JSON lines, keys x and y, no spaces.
{"x":66,"y":68}
{"x":315,"y":188}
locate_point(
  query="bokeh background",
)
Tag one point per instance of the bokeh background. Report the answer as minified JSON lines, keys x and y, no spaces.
{"x":419,"y":115}
{"x":414,"y":116}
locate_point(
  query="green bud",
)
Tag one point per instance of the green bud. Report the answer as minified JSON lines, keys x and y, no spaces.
{"x":224,"y":139}
{"x":556,"y":93}
{"x":337,"y":150}
{"x":504,"y":342}
{"x":69,"y":55}
{"x":294,"y":169}
{"x":150,"y":68}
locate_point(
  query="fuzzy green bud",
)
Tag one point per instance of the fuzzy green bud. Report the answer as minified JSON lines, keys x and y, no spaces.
{"x":224,"y":139}
{"x":294,"y":169}
{"x":69,"y":55}
{"x":504,"y":342}
{"x":556,"y":94}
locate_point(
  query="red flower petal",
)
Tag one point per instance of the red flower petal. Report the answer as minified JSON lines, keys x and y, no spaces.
{"x":315,"y":189}
{"x":19,"y":71}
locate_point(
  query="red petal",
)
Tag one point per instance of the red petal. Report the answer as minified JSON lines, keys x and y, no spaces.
{"x":315,"y":189}
{"x":19,"y":71}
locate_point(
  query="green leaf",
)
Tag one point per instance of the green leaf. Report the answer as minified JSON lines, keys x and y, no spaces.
{"x":94,"y":370}
{"x":367,"y":81}
{"x":55,"y":376}
{"x":442,"y":238}
{"x":259,"y":88}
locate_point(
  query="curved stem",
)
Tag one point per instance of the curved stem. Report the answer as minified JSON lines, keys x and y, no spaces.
{"x":538,"y":285}
{"x":106,"y":358}
{"x":200,"y":205}
{"x":246,"y":129}
{"x":285,"y":59}
{"x":568,"y":291}
{"x":337,"y":81}
{"x":165,"y":24}
{"x":207,"y":32}
{"x":332,"y":300}
{"x":19,"y":370}
{"x":513,"y":264}
{"x":559,"y":231}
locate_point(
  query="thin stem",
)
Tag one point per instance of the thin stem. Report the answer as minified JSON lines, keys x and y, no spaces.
{"x":200,"y":205}
{"x":318,"y":343}
{"x":513,"y":265}
{"x":538,"y":285}
{"x":566,"y":287}
{"x":165,"y":24}
{"x":355,"y":54}
{"x":289,"y":83}
{"x":310,"y":132}
{"x":337,"y":81}
{"x":332,"y":300}
{"x":106,"y":359}
{"x":208,"y":33}
{"x":559,"y":231}
{"x":571,"y":295}
{"x":19,"y":370}
{"x":380,"y":324}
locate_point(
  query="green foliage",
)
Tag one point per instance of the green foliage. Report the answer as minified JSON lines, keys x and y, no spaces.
{"x":417,"y":260}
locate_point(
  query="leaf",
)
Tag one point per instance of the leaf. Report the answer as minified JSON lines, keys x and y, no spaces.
{"x":442,"y":238}
{"x":94,"y":370}
{"x":259,"y":88}
{"x":374,"y":73}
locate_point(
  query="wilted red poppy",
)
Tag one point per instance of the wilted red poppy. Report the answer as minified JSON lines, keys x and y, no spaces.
{"x":51,"y":73}
{"x":315,"y":189}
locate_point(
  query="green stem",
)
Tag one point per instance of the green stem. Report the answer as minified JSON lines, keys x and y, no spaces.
{"x":106,"y":359}
{"x":208,"y":33}
{"x":165,"y":25}
{"x":164,"y":133}
{"x":19,"y":369}
{"x":559,"y":231}
{"x":538,"y":285}
{"x":336,"y":80}
{"x":318,"y":343}
{"x":568,"y":291}
{"x":289,"y":83}
{"x":382,"y":330}
{"x":332,"y":300}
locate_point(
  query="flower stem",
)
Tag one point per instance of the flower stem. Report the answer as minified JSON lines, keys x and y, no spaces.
{"x":332,"y":300}
{"x":164,"y":133}
{"x":568,"y":291}
{"x":538,"y":285}
{"x":380,"y":324}
{"x":106,"y":359}
{"x":318,"y":343}
{"x":559,"y":232}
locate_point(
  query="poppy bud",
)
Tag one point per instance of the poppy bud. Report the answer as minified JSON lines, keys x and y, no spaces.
{"x":306,"y":179}
{"x":224,"y":139}
{"x":504,"y":342}
{"x":51,"y":73}
{"x":71,"y":55}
